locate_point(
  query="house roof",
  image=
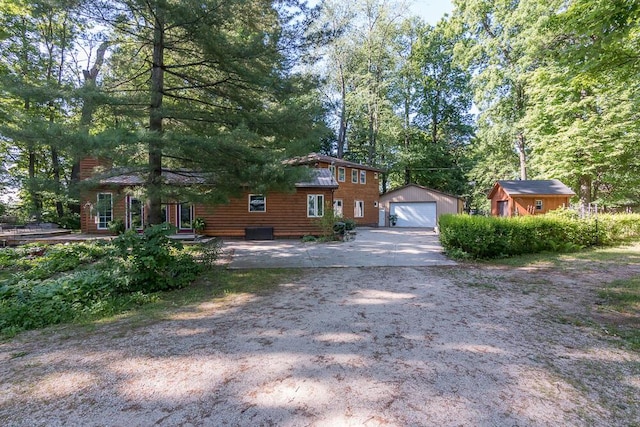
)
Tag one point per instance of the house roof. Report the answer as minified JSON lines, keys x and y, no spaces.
{"x":319,"y":178}
{"x":169,"y":176}
{"x":542,"y":187}
{"x":314,"y":158}
{"x":420,"y":187}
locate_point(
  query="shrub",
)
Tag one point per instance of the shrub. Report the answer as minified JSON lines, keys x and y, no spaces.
{"x":491,"y":237}
{"x":117,"y":226}
{"x":152,"y":261}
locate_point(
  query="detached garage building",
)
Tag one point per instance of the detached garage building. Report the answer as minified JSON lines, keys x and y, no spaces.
{"x":417,"y":206}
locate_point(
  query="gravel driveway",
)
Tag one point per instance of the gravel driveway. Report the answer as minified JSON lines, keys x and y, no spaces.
{"x":441,"y":346}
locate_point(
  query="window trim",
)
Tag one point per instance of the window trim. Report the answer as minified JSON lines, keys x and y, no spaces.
{"x":335,"y":203}
{"x":318,"y":207}
{"x":179,"y":216}
{"x":356,"y":210}
{"x":355,"y":175}
{"x":98,"y":207}
{"x":363,"y":176}
{"x":539,"y":204}
{"x":264,"y":200}
{"x":130,"y":200}
{"x":332,"y":168}
{"x":344,"y":174}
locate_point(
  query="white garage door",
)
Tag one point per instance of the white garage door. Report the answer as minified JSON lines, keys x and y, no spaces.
{"x":417,"y":214}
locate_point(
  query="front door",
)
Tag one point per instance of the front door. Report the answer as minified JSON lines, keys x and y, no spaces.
{"x":337,"y":207}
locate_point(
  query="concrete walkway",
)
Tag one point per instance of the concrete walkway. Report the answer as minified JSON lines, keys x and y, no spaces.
{"x":373,"y":247}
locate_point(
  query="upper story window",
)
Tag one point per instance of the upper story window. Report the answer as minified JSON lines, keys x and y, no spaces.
{"x":354,"y":176}
{"x":332,"y":168}
{"x":341,"y":174}
{"x":257,"y":203}
{"x":363,"y":177}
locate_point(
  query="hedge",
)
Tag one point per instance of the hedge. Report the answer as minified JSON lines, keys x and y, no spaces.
{"x":563,"y":231}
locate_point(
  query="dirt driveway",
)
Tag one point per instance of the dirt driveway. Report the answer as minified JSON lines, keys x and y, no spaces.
{"x":441,"y":346}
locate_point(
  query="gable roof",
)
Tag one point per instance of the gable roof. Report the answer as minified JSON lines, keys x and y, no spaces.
{"x":314,"y":158}
{"x":541,"y":187}
{"x":420,"y":187}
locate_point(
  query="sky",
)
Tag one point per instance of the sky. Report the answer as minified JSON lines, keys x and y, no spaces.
{"x":431,"y":10}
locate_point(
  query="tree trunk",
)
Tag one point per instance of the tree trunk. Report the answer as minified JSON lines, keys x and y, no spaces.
{"x":584,"y":182}
{"x":55,"y":161}
{"x":522,"y":145}
{"x":154,"y":179}
{"x":86,"y":117}
{"x":342,"y":130}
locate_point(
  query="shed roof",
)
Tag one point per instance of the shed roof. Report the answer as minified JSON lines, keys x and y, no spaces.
{"x":395,"y":190}
{"x":319,"y":178}
{"x":541,"y":187}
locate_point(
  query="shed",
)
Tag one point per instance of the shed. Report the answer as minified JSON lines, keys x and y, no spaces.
{"x":417,"y":206}
{"x":528,"y":197}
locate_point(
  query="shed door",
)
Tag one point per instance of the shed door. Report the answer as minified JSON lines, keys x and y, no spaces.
{"x":503,"y":208}
{"x":416,"y":214}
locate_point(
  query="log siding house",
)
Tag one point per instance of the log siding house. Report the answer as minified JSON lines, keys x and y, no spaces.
{"x":530,"y":197}
{"x":273,"y":215}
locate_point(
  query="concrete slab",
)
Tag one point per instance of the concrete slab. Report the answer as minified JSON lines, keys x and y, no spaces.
{"x":373,"y":247}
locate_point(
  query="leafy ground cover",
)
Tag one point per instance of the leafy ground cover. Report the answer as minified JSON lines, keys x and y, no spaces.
{"x":44,"y":285}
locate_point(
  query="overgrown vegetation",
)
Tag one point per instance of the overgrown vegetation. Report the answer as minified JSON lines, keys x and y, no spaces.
{"x":465,"y":236}
{"x":45,"y":285}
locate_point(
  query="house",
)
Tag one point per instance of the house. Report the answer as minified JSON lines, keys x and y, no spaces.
{"x":417,"y":206}
{"x":528,"y":197}
{"x":332,"y":182}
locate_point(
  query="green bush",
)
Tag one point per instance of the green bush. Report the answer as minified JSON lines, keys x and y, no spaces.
{"x":494,"y":237}
{"x":152,"y":261}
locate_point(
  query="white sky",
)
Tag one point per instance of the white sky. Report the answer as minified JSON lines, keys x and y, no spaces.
{"x":431,"y":10}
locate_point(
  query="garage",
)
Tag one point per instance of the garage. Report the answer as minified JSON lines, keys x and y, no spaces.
{"x":417,"y":206}
{"x":415,"y":214}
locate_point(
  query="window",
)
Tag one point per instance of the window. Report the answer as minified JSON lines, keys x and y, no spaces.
{"x":358,"y":209}
{"x":332,"y":168}
{"x":337,"y":207}
{"x":136,"y":214}
{"x":375,"y":175}
{"x":315,"y":205}
{"x":354,"y":176}
{"x":538,"y":205}
{"x":257,"y":203}
{"x":341,"y":174}
{"x":363,"y":177}
{"x":185,"y":216}
{"x":104,"y":210}
{"x":165,"y":212}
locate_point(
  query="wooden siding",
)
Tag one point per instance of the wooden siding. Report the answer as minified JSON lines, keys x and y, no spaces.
{"x":90,"y":165}
{"x":88,"y":210}
{"x":349,"y":192}
{"x":525,"y":205}
{"x":285,"y":212}
{"x":445,"y":204}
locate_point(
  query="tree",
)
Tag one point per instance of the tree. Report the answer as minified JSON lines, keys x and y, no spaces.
{"x":212,"y":82}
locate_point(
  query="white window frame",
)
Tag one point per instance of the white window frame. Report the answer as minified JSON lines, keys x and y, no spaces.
{"x":264,"y":203}
{"x":317,"y":209}
{"x":100,"y":225}
{"x":332,"y":168}
{"x":342,"y":174}
{"x":165,"y":207}
{"x":539,"y":205}
{"x":358,"y":209}
{"x":375,"y":175}
{"x":354,"y":176}
{"x":363,"y":176}
{"x":130,"y":200}
{"x":179,"y":216}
